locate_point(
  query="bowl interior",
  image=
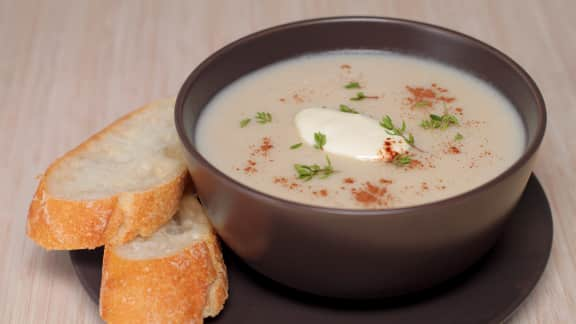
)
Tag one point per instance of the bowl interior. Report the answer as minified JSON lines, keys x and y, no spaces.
{"x":328,"y":34}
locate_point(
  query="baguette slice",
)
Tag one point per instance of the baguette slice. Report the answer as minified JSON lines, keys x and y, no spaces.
{"x":177,"y":275}
{"x":124,"y":181}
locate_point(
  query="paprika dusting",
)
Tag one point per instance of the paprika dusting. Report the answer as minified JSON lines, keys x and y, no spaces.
{"x":453,"y":150}
{"x":263,"y":149}
{"x":427,"y":97}
{"x":257,"y":152}
{"x":250,"y":167}
{"x":424,"y":186}
{"x":349,"y":180}
{"x":415,"y":164}
{"x":386,"y":153}
{"x":369,"y":194}
{"x":283,"y":181}
{"x":321,"y":193}
{"x":297,"y":98}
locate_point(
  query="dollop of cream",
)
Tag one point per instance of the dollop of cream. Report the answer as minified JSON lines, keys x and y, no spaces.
{"x":352,"y":135}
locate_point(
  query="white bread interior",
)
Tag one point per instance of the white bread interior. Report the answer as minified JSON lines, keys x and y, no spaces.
{"x":187,"y":226}
{"x":135,"y":155}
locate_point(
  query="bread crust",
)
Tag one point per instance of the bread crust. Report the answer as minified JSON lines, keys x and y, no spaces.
{"x":183,"y":287}
{"x":60,"y":224}
{"x":142,"y":213}
{"x":218,"y":289}
{"x":57,"y":224}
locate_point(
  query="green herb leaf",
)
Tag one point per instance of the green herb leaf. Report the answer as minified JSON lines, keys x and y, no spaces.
{"x":359,"y":96}
{"x":362,"y":96}
{"x":435,"y":117}
{"x":458,"y":137}
{"x":352,"y":85}
{"x":328,"y":169}
{"x":402,"y":160}
{"x":320,"y":140}
{"x":450,"y":119}
{"x":423,"y":103}
{"x":295,"y":146}
{"x":307,"y":172}
{"x":245,"y":122}
{"x":387,"y":124}
{"x":410,"y":139}
{"x":344,"y":108}
{"x":439,"y":122}
{"x":263,"y":117}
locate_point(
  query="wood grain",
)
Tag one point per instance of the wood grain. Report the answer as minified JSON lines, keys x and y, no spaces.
{"x":67,"y":68}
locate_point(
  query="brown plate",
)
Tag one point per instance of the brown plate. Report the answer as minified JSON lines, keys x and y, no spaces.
{"x":487,"y":293}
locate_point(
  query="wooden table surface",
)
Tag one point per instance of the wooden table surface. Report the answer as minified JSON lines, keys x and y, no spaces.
{"x":67,"y":68}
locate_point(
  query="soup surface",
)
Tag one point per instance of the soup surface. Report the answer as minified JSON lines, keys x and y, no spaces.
{"x":327,"y":129}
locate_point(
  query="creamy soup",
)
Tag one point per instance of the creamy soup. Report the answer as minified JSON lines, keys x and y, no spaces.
{"x":360,"y":129}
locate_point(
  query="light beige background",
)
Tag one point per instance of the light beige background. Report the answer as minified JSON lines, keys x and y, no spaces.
{"x":67,"y":68}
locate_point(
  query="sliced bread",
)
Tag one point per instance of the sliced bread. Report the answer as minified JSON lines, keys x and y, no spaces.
{"x":125,"y":181}
{"x":176,"y":275}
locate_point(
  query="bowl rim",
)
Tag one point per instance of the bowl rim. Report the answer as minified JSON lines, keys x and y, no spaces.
{"x":529,"y":150}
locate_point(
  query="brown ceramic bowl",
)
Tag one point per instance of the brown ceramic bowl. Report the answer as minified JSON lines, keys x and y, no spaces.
{"x":358,"y":253}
